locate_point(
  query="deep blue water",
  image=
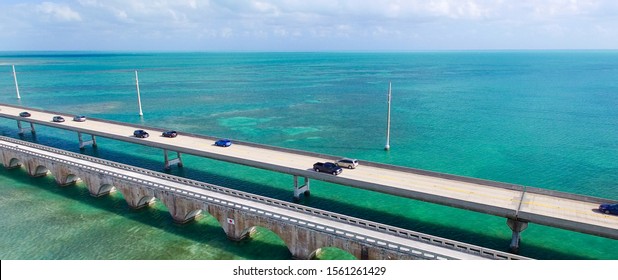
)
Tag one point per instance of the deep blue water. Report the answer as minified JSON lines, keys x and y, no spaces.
{"x":547,"y":119}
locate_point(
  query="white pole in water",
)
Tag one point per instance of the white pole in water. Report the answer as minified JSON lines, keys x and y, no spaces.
{"x":388,"y":121}
{"x":139,"y":100}
{"x":16,"y":86}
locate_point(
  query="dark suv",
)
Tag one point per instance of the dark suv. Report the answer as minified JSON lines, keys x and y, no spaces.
{"x":170,"y":133}
{"x":140,"y":133}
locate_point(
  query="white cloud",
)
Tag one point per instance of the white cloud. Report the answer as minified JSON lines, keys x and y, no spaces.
{"x":59,"y":12}
{"x":336,"y":24}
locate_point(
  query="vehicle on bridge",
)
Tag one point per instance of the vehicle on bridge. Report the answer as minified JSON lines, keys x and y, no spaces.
{"x":327,"y":167}
{"x":58,"y":119}
{"x":79,"y":118}
{"x":609,"y":208}
{"x":223,"y":143}
{"x":140,"y":133}
{"x":24,"y":114}
{"x":170,"y":133}
{"x":347,"y":163}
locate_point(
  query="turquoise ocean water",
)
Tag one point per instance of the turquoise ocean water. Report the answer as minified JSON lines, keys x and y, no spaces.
{"x":547,"y":119}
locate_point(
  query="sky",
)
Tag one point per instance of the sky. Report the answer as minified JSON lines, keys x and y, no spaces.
{"x":307,"y":25}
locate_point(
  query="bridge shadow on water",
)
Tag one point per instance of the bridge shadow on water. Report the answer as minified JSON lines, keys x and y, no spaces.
{"x":214,"y":235}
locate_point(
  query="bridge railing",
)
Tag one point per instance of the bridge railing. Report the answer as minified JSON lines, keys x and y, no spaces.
{"x":437,"y":241}
{"x":424,"y":254}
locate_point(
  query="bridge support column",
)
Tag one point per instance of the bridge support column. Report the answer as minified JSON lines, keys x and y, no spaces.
{"x":517,"y":227}
{"x":22,"y":130}
{"x":169,"y":162}
{"x":83,"y":143}
{"x":304,"y":189}
{"x":231,"y":220}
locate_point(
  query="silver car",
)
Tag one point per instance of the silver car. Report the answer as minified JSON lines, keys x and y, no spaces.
{"x":347,"y":163}
{"x":79,"y":118}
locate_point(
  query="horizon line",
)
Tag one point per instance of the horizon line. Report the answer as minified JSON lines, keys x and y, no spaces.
{"x":313,"y":51}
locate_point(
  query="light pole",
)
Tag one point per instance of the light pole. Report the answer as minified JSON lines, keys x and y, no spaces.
{"x":139,"y":100}
{"x":16,"y":86}
{"x":388,"y":121}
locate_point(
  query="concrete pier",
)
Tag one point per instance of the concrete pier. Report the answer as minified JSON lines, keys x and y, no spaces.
{"x":23,"y":130}
{"x":517,"y":227}
{"x":169,"y":162}
{"x":301,"y":188}
{"x":83,"y":143}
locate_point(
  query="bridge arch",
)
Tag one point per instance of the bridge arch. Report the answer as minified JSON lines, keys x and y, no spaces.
{"x":12,"y":163}
{"x":301,"y":242}
{"x":136,"y":196}
{"x":37,"y":170}
{"x":144,"y":201}
{"x":101,"y":190}
{"x":64,"y":177}
{"x":181,"y":209}
{"x":278,"y":247}
{"x":193,"y":214}
{"x":67,"y":180}
{"x":332,"y":253}
{"x":97,"y":184}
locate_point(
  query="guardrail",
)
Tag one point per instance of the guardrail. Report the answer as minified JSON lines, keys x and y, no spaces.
{"x":378,"y":227}
{"x":228,"y":203}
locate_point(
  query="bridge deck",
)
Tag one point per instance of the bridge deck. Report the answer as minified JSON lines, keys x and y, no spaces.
{"x":568,"y":211}
{"x":303,"y":217}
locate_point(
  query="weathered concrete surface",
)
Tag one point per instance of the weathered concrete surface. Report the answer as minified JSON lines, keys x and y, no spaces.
{"x":235,"y":218}
{"x":136,"y":196}
{"x":35,"y":169}
{"x":63,"y":175}
{"x":183,"y":210}
{"x":99,"y":184}
{"x":303,"y":243}
{"x":9,"y":160}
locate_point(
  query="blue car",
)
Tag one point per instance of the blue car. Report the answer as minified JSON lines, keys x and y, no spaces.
{"x":609,"y":208}
{"x":223,"y":143}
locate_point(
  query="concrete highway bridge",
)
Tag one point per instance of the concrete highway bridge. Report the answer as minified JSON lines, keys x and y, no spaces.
{"x":304,"y":230}
{"x":518,"y":204}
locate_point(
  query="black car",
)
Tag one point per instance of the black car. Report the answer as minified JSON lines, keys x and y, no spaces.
{"x":140,"y":133}
{"x":58,"y":119}
{"x":24,"y":114}
{"x":170,"y":133}
{"x":327,"y":167}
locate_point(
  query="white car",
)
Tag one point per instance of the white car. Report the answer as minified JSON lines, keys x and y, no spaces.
{"x":347,"y":163}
